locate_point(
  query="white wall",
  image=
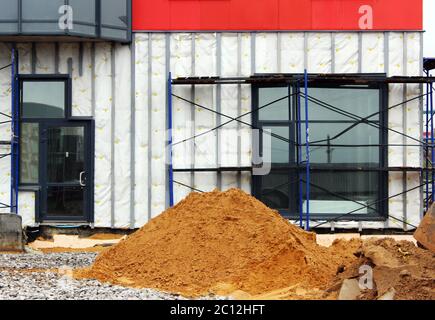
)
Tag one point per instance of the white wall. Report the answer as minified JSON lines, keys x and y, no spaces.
{"x":429,"y":27}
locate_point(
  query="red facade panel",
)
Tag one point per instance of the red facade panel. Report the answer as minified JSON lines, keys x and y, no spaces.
{"x":227,"y":15}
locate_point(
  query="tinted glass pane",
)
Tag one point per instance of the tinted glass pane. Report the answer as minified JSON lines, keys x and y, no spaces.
{"x":344,"y":156}
{"x":362,"y":134}
{"x":275,"y":190}
{"x":65,"y":201}
{"x":336,"y":192}
{"x":42,"y":9}
{"x":83,"y":30}
{"x":276,"y":111}
{"x":342,"y":133}
{"x":43,"y":99}
{"x":41,"y":27}
{"x":113,"y":33}
{"x":276,"y":148}
{"x":65,"y":154}
{"x":9,"y":10}
{"x":361,"y":102}
{"x":114,"y":13}
{"x":8,"y":28}
{"x":84,"y":10}
{"x":29,"y":160}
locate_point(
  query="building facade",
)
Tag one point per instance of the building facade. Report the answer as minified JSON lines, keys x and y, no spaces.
{"x":95,"y":109}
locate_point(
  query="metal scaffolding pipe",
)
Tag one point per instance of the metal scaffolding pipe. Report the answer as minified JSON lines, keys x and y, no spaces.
{"x":307,"y":149}
{"x":15,"y":137}
{"x":171,"y":169}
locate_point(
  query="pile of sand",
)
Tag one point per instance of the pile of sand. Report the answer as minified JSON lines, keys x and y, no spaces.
{"x":398,"y":266}
{"x":220,"y":242}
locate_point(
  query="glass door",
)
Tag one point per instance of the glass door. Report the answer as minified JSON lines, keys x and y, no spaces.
{"x":66,"y":171}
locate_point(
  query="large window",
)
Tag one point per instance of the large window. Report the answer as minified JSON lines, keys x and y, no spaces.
{"x":347,"y":156}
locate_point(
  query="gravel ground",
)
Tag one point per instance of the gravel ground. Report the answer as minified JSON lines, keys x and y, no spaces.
{"x":36,"y":260}
{"x":19,"y":281}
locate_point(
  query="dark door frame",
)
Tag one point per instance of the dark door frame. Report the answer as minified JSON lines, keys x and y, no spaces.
{"x":89,"y":171}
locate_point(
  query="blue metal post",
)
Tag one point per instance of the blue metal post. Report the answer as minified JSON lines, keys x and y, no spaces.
{"x":15,"y":134}
{"x":426,"y":140}
{"x":432,"y":139}
{"x":171,"y":169}
{"x":307,"y":145}
{"x":299,"y":139}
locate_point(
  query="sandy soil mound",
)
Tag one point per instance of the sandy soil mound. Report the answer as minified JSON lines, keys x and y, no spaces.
{"x":398,"y":265}
{"x":221,"y":242}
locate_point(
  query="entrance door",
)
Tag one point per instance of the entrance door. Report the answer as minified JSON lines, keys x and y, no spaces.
{"x":66,"y":171}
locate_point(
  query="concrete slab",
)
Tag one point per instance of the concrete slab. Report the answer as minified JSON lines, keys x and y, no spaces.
{"x":71,"y":242}
{"x":395,"y":237}
{"x":326,"y":240}
{"x":350,"y":290}
{"x":11,"y":233}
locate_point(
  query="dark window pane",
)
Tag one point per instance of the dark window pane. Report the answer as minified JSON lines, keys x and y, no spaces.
{"x":42,"y":9}
{"x":66,"y":159}
{"x":343,"y":192}
{"x":9,"y":10}
{"x":113,"y":33}
{"x":276,"y":148}
{"x":84,"y":11}
{"x":29,"y":160}
{"x":361,"y":102}
{"x":344,"y":156}
{"x":342,"y":133}
{"x":275,"y":190}
{"x":345,"y":134}
{"x":276,"y":111}
{"x":8,"y":28}
{"x":41,"y":27}
{"x":83,"y":30}
{"x":43,"y":99}
{"x":65,"y":201}
{"x":114,"y":13}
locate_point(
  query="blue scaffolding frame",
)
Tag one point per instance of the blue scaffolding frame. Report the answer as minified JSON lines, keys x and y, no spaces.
{"x":428,"y":144}
{"x":14,"y":143}
{"x":429,"y":178}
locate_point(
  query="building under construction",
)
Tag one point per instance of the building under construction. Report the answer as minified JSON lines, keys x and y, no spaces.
{"x":109,"y":118}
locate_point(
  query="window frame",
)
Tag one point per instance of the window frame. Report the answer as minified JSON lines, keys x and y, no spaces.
{"x":66,"y":78}
{"x":381,"y":213}
{"x":48,"y":78}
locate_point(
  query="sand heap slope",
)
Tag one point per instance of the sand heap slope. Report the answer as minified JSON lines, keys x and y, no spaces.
{"x":215,"y":242}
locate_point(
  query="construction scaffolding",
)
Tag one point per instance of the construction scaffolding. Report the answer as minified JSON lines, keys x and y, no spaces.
{"x":14,"y":142}
{"x":429,"y":177}
{"x":303,"y":81}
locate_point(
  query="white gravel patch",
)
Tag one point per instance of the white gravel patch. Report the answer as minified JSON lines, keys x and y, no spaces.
{"x":47,"y":261}
{"x":17,"y":283}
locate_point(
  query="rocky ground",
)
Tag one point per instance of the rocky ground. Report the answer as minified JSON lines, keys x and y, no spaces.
{"x":37,"y":276}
